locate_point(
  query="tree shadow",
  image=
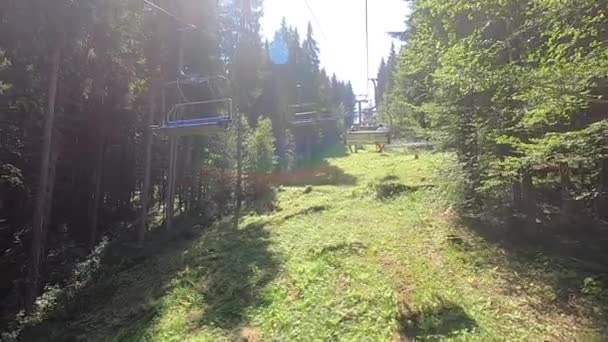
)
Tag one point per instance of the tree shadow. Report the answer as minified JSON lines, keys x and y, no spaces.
{"x":337,"y":151}
{"x":125,"y":298}
{"x":573,"y":266}
{"x":260,"y":203}
{"x":321,"y":173}
{"x":437,"y":323}
{"x":121,"y":293}
{"x":236,"y":264}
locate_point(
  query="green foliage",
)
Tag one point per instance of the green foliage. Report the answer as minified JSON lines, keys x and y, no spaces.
{"x":260,"y":159}
{"x":260,"y":144}
{"x":508,"y":85}
{"x":290,"y":159}
{"x":114,"y":58}
{"x":593,"y":287}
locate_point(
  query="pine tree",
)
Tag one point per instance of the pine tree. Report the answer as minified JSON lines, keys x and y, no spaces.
{"x":381,"y":81}
{"x":310,"y":78}
{"x":243,"y":49}
{"x":391,"y":64}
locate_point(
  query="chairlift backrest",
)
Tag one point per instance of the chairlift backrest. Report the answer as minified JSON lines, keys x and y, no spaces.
{"x":221,"y":108}
{"x":302,"y":108}
{"x":191,"y":114}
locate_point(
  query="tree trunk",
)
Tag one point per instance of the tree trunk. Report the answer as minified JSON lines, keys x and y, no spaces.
{"x":567,"y":207}
{"x":516,"y":200}
{"x":145,"y":195}
{"x":43,"y":195}
{"x":97,"y":111}
{"x":528,"y":205}
{"x":239,"y":170}
{"x":154,"y":92}
{"x":49,"y":194}
{"x":188,"y":176}
{"x":96,"y":196}
{"x":170,"y":189}
{"x":602,"y":198}
{"x":282,"y":108}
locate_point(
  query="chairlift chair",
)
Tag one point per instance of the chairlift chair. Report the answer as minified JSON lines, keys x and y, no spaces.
{"x":303,"y":115}
{"x":201,"y":123}
{"x":190,"y":117}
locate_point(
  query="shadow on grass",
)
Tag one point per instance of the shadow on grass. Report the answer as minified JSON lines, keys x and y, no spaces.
{"x":235,"y":265}
{"x":121,"y":293}
{"x":260,"y":203}
{"x":322,"y":173}
{"x":572,"y":265}
{"x":335,"y":151}
{"x":317,"y":171}
{"x":129,"y":294}
{"x":435,"y":324}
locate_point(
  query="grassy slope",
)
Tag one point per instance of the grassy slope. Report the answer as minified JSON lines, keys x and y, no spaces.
{"x":336,"y":264}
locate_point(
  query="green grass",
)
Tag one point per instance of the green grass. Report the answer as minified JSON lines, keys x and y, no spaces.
{"x":377,"y":256}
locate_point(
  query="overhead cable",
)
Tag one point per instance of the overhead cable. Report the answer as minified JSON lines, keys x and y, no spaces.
{"x":314,"y":17}
{"x":175,"y":17}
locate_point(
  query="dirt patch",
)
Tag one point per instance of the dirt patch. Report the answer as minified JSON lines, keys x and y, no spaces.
{"x":402,"y":280}
{"x":248,"y":334}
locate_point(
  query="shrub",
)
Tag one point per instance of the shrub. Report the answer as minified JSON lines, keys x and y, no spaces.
{"x":260,"y":157}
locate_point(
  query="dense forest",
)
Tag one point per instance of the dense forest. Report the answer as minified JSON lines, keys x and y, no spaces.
{"x":518,"y":90}
{"x":79,"y":91}
{"x":511,"y":96}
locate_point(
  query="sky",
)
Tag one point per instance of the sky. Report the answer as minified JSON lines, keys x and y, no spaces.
{"x":340,"y":32}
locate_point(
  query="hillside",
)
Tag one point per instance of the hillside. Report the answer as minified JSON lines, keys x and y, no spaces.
{"x":365,"y":247}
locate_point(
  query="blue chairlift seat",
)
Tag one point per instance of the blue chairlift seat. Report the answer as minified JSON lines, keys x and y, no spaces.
{"x":200,"y":124}
{"x":207,"y":121}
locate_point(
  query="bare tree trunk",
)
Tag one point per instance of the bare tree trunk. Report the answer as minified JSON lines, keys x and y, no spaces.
{"x":49,"y":197}
{"x":602,"y":199}
{"x":97,"y":111}
{"x":145,"y":195}
{"x":188,"y":176}
{"x":95,"y":199}
{"x":44,"y":192}
{"x":516,"y":193}
{"x":154,"y":92}
{"x":528,"y":205}
{"x":516,"y":203}
{"x":239,"y":129}
{"x":603,"y":186}
{"x":567,"y":207}
{"x":239,"y":170}
{"x":170,"y":190}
